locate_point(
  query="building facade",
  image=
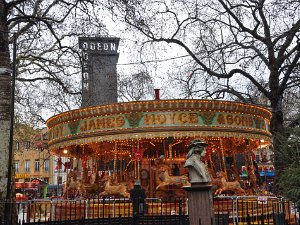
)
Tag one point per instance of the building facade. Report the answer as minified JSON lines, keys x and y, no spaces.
{"x":32,"y":160}
{"x":99,"y":70}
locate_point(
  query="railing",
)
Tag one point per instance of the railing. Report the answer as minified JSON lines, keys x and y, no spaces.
{"x":227,"y":210}
{"x":37,"y":211}
{"x":256,"y":210}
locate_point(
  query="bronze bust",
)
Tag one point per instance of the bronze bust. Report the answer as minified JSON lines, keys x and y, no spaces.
{"x":197,"y":169}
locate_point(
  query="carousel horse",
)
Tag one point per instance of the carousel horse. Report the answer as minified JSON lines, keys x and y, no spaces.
{"x":96,"y":187}
{"x":173,"y":180}
{"x":73,"y":188}
{"x":114,"y":189}
{"x":159,"y":169}
{"x":233,"y":186}
{"x":216,"y":183}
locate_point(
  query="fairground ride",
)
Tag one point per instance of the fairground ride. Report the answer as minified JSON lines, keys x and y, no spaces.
{"x":141,"y":140}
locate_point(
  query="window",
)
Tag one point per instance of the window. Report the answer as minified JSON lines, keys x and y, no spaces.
{"x":27,"y":145}
{"x":17,"y":166}
{"x":37,"y":165}
{"x":46,"y":165}
{"x":27,"y":166}
{"x":59,"y":180}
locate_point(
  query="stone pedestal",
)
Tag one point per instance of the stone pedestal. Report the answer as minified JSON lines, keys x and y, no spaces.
{"x":200,"y":204}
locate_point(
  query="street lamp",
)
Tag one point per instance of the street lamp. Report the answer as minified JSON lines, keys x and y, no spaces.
{"x":7,"y":213}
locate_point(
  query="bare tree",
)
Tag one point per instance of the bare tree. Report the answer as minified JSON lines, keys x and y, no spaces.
{"x":48,"y":65}
{"x":231,"y":42}
{"x":48,"y":72}
{"x":135,"y":87}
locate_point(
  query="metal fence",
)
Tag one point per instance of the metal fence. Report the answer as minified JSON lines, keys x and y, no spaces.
{"x":227,"y":210}
{"x":103,"y":211}
{"x":256,"y":210}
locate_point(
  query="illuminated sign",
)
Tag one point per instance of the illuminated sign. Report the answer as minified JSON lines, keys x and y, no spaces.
{"x":22,"y":175}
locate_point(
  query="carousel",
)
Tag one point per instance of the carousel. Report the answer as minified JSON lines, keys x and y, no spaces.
{"x":111,"y":146}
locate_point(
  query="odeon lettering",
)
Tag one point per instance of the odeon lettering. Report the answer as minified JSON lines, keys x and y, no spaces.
{"x":99,"y":46}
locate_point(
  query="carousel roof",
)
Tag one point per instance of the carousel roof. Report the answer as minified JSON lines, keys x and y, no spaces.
{"x":159,"y":119}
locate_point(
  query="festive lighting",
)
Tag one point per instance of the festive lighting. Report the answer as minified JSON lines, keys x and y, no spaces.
{"x":151,"y":122}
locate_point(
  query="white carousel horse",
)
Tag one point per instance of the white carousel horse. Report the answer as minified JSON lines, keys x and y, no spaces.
{"x":173,"y":180}
{"x":114,"y":189}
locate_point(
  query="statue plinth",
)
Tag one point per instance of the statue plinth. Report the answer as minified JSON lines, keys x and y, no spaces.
{"x":200,"y":204}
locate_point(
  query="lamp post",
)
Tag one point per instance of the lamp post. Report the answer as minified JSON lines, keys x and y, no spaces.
{"x":7,"y":213}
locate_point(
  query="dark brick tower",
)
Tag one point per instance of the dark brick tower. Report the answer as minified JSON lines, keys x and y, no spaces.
{"x":99,"y":70}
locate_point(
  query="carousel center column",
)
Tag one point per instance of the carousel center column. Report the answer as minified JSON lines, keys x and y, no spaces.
{"x":200,"y":200}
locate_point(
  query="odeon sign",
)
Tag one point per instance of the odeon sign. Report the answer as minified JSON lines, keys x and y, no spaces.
{"x":158,"y":116}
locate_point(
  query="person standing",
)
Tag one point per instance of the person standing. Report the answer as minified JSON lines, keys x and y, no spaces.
{"x":138,"y":196}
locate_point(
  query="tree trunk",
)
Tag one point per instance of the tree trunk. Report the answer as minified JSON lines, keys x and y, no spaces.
{"x":278,"y":131}
{"x":5,"y":94}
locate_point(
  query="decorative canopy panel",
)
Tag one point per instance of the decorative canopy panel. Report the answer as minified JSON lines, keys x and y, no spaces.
{"x":179,"y":119}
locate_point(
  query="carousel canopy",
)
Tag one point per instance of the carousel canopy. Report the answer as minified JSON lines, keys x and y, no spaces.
{"x":162,"y":119}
